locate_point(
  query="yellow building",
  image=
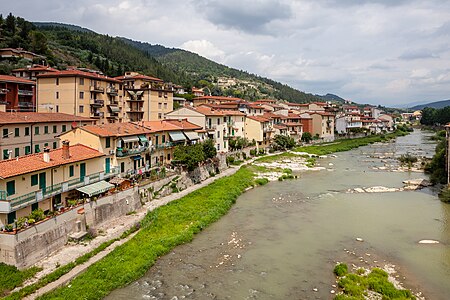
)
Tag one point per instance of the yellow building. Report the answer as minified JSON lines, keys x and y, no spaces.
{"x":259,"y":129}
{"x":147,"y":98}
{"x":47,"y":180}
{"x":323,"y":125}
{"x":25,"y":133}
{"x":82,"y":94}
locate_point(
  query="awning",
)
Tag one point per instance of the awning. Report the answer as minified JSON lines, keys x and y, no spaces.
{"x":130,"y":139}
{"x":96,"y":188}
{"x":137,"y":157}
{"x":177,"y":136}
{"x":114,"y":109}
{"x":191,"y":135}
{"x":143,"y":138}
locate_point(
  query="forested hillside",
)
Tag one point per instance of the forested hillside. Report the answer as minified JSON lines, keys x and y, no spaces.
{"x":69,"y":45}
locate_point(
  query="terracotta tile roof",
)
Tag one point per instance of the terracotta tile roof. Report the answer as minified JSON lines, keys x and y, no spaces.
{"x":258,"y":119}
{"x":77,"y":73}
{"x":14,"y":79}
{"x":257,"y":106}
{"x":232,"y":113}
{"x":138,"y":76}
{"x":218,"y":98}
{"x":116,"y":129}
{"x":293,"y":124}
{"x":170,"y":125}
{"x":293,"y":116}
{"x":35,"y":162}
{"x":280,"y":126}
{"x":269,"y":115}
{"x":34,"y":117}
{"x":297,"y":104}
{"x":266,"y":101}
{"x":320,"y":103}
{"x":36,"y":68}
{"x":208,"y":111}
{"x":326,"y":114}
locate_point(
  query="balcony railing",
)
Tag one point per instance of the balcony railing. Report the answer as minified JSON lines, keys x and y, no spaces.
{"x":96,"y":89}
{"x":268,"y":129}
{"x":97,"y":102}
{"x":25,"y":104}
{"x":136,"y":110}
{"x":4,"y":91}
{"x":123,"y":152}
{"x":131,"y":99}
{"x":211,"y":127}
{"x":97,"y":115}
{"x":164,"y":145}
{"x":53,"y":190}
{"x":25,"y":93}
{"x":112,"y":90}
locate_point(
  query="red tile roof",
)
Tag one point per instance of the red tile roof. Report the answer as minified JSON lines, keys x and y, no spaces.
{"x":280,"y":126}
{"x":218,"y":98}
{"x":170,"y":125}
{"x":138,"y":76}
{"x":36,"y":68}
{"x":258,"y":119}
{"x":77,"y":73}
{"x":14,"y":79}
{"x":232,"y":113}
{"x":297,"y":104}
{"x":34,"y":117}
{"x":116,"y":129}
{"x":35,"y":162}
{"x":208,"y":111}
{"x":327,"y":114}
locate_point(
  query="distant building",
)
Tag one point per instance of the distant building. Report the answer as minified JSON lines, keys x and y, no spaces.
{"x":20,"y":53}
{"x":17,"y":94}
{"x":31,"y":72}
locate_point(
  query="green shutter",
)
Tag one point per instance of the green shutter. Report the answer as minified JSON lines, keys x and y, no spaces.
{"x":5,"y":154}
{"x":63,"y":128}
{"x":5,"y":133}
{"x":16,"y":132}
{"x":54,"y":145}
{"x":108,"y":142}
{"x":34,"y":180}
{"x":36,"y":149}
{"x":27,"y":150}
{"x":55,"y":129}
{"x":16,"y":152}
{"x":71,"y":171}
{"x":45,"y":129}
{"x":36,"y":130}
{"x":11,"y":187}
{"x":27,"y":130}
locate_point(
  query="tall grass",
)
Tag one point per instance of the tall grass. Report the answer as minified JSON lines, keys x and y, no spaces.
{"x":161,"y":230}
{"x":11,"y":277}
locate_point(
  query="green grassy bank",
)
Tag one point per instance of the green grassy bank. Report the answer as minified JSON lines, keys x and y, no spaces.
{"x":161,"y":230}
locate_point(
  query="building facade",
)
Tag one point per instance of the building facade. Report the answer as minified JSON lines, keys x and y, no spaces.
{"x":17,"y":94}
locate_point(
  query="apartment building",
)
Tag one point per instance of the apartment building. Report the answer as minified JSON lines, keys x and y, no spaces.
{"x":48,"y":180}
{"x":323,"y":125}
{"x":31,"y":72}
{"x":259,"y":129}
{"x":146,"y":98}
{"x":17,"y":94}
{"x":81,"y":93}
{"x":24,"y":133}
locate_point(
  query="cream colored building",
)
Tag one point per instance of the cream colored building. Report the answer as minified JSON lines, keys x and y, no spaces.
{"x":47,"y":180}
{"x":25,"y":133}
{"x":259,"y":129}
{"x":323,"y":125}
{"x":82,"y":94}
{"x":147,"y":98}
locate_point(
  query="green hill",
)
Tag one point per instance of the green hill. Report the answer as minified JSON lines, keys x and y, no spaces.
{"x":70,"y":45}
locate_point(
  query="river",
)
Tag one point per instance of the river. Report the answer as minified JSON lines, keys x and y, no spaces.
{"x":282,"y":240}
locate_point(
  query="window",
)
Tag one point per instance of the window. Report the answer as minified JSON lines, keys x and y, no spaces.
{"x":218,"y":134}
{"x":46,"y":145}
{"x":57,"y":95}
{"x":16,"y":152}
{"x":63,"y":128}
{"x":159,"y":94}
{"x":34,"y":179}
{"x":218,"y":121}
{"x":16,"y":132}
{"x":168,"y":156}
{"x":36,"y":149}
{"x":107,"y":142}
{"x":54,"y":145}
{"x":122,"y":167}
{"x":11,"y":187}
{"x":27,"y":150}
{"x":163,"y":139}
{"x":55,"y":128}
{"x":81,"y":95}
{"x":159,"y":105}
{"x":45,"y":129}
{"x":6,"y":154}
{"x":159,"y":115}
{"x":57,"y":81}
{"x":5,"y":133}
{"x":71,"y":171}
{"x":81,"y":109}
{"x":27,"y":131}
{"x":81,"y":81}
{"x":165,"y":105}
{"x":57,"y":108}
{"x":165,"y":94}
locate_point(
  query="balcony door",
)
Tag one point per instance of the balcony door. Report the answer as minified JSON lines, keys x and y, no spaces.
{"x":82,"y":171}
{"x":107,"y":165}
{"x":42,"y":182}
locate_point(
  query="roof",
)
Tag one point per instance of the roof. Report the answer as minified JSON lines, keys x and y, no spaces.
{"x":293,"y":124}
{"x":320,"y":103}
{"x":208,"y":111}
{"x":170,"y":125}
{"x":116,"y":129}
{"x":269,"y":115}
{"x":35,"y":117}
{"x":137,"y":76}
{"x":258,"y":119}
{"x":280,"y":126}
{"x":297,"y":104}
{"x":219,"y":98}
{"x":35,"y":162}
{"x":293,"y":116}
{"x":14,"y":79}
{"x":326,"y":114}
{"x":36,"y":68}
{"x":77,"y":73}
{"x":232,"y":113}
{"x":19,"y":50}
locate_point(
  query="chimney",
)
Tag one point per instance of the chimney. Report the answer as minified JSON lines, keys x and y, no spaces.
{"x":65,"y":150}
{"x":46,"y":154}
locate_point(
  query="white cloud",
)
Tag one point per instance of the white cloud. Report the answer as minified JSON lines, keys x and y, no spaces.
{"x":204,"y":48}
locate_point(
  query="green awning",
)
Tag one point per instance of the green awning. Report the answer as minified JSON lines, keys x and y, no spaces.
{"x":95,"y":188}
{"x":143,"y":138}
{"x":177,"y":136}
{"x":191,"y":135}
{"x":114,"y":109}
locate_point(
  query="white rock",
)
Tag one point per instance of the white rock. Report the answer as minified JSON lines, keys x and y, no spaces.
{"x":428,"y":242}
{"x":315,"y":289}
{"x":359,"y":239}
{"x":332,"y":291}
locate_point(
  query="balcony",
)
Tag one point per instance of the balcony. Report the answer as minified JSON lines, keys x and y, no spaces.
{"x":138,"y":99}
{"x":124,"y":152}
{"x":25,"y":104}
{"x":15,"y":203}
{"x":97,"y":103}
{"x":231,"y":123}
{"x":268,"y":129}
{"x":4,"y":91}
{"x":25,"y":93}
{"x":96,"y":89}
{"x":164,"y":145}
{"x":97,"y":114}
{"x":211,"y":128}
{"x":112,"y":91}
{"x":136,"y":110}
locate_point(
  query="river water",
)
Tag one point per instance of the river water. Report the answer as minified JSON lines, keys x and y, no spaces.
{"x":282,"y":240}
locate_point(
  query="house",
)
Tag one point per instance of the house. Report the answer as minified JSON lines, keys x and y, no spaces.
{"x":81,"y":93}
{"x":323,"y":125}
{"x":251,"y":109}
{"x":235,"y":121}
{"x":31,"y":72}
{"x":17,"y":94}
{"x":213,"y":100}
{"x":125,"y":145}
{"x":348,"y":109}
{"x":48,"y":180}
{"x":20,"y":53}
{"x":24,"y":133}
{"x":347,"y":123}
{"x":197,"y":92}
{"x":388,"y":121}
{"x":260,"y":130}
{"x":146,"y":98}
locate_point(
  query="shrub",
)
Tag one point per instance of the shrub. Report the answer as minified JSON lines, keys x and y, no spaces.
{"x":12,"y":277}
{"x":253,"y":152}
{"x":230,"y":160}
{"x":444,"y":195}
{"x":340,"y":269}
{"x":244,"y":155}
{"x":261,"y":181}
{"x":37,"y":214}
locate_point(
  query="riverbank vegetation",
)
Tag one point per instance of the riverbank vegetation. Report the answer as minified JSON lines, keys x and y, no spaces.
{"x":357,"y":286}
{"x":161,"y":230}
{"x":11,"y":277}
{"x":436,"y":167}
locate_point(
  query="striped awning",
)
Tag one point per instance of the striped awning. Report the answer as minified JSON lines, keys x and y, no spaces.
{"x":177,"y":136}
{"x":191,"y":135}
{"x":95,"y":188}
{"x":130,"y":139}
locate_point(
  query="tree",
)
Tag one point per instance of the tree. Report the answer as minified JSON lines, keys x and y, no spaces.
{"x":10,"y":24}
{"x":428,"y":116}
{"x":306,"y":137}
{"x":283,"y":142}
{"x":38,"y":42}
{"x":209,"y":149}
{"x":190,"y":155}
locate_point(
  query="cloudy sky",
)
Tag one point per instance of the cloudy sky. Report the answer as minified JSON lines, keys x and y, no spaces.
{"x":380,"y":51}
